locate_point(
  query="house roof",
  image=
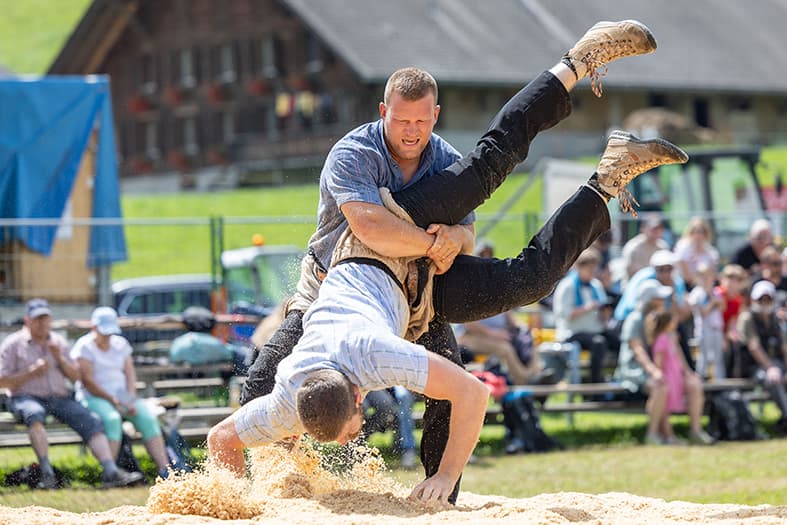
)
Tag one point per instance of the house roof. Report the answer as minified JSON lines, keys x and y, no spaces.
{"x":717,"y":45}
{"x":703,"y":44}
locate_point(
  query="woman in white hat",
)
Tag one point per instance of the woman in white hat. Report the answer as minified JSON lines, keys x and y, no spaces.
{"x":107,"y":385}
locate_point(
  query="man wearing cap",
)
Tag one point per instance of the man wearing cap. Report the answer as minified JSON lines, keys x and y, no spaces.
{"x":34,"y":367}
{"x":107,"y":386}
{"x":765,"y":348}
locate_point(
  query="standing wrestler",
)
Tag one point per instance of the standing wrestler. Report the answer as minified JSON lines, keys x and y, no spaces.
{"x":396,"y":152}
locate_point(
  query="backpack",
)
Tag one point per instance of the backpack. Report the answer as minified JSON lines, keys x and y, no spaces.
{"x":522,"y":421}
{"x":730,"y":418}
{"x":199,"y":348}
{"x":126,"y":459}
{"x":178,"y":451}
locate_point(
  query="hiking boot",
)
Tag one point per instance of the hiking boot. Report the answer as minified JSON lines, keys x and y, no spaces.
{"x":605,"y":42}
{"x":625,"y":157}
{"x":122,"y":478}
{"x":701,"y":438}
{"x":47,"y":482}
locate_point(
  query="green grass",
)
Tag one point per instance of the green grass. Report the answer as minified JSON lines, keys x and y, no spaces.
{"x":283,"y":215}
{"x":32,"y":32}
{"x":603,"y":454}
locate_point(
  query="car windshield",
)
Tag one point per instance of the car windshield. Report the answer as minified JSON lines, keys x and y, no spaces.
{"x":276,"y":273}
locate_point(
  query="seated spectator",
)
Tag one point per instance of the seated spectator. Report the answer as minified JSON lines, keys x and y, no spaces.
{"x":578,"y":304}
{"x":639,"y":373}
{"x":636,"y":370}
{"x":392,"y":408}
{"x":748,"y":254}
{"x":35,"y":368}
{"x":198,"y":346}
{"x":764,"y":352}
{"x":505,"y":338}
{"x":662,"y":270}
{"x":732,"y":283}
{"x":502,"y":337}
{"x":107,"y":386}
{"x":695,"y":248}
{"x":706,"y":306}
{"x":639,"y":249}
{"x":684,"y":386}
{"x":771,"y":270}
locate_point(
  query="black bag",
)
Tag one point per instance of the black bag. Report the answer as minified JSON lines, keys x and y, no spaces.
{"x":523,"y":423}
{"x":126,"y":459}
{"x":178,"y":451}
{"x":731,"y":419}
{"x":30,"y":475}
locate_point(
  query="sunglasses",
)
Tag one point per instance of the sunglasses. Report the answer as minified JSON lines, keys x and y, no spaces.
{"x":664,"y":269}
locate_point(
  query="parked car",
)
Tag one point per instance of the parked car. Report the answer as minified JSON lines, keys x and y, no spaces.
{"x":252,"y":281}
{"x":160,"y":295}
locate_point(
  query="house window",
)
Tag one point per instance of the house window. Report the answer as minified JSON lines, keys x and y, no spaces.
{"x":702,"y":112}
{"x":227,"y":63}
{"x":188,"y":70}
{"x":228,"y":127}
{"x":657,"y":100}
{"x":190,"y":143}
{"x":314,"y":63}
{"x":148,"y":74}
{"x":268,"y":57}
{"x":152,"y":151}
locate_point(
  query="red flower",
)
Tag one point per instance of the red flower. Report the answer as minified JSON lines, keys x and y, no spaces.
{"x":139,"y":104}
{"x":176,"y":95}
{"x":257,"y":87}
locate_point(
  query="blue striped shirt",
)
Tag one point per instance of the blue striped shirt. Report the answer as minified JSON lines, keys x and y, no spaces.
{"x":356,"y":327}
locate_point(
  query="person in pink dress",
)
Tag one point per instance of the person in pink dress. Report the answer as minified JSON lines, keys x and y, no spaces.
{"x":684,"y":386}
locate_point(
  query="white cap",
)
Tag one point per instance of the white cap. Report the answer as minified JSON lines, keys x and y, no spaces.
{"x":105,"y":320}
{"x":762,"y":288}
{"x":663,"y":258}
{"x":652,"y":289}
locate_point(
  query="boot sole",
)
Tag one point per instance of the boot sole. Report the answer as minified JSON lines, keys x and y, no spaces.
{"x":646,"y":30}
{"x":680,"y":156}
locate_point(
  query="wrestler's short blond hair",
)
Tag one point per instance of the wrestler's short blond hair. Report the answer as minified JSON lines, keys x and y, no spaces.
{"x":411,"y":83}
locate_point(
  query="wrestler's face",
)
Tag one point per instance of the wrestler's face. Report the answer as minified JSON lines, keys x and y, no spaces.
{"x":407,"y":125}
{"x":352,"y":429}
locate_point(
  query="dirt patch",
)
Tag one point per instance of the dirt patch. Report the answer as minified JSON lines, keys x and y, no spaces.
{"x":296,"y":488}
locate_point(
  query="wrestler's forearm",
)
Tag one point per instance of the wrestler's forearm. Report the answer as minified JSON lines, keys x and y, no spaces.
{"x":225,"y":447}
{"x":385,"y":233}
{"x":469,"y":398}
{"x":467,"y":418}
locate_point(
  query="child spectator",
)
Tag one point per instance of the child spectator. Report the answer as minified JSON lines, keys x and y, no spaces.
{"x":706,"y":305}
{"x":733,"y":281}
{"x":682,"y":383}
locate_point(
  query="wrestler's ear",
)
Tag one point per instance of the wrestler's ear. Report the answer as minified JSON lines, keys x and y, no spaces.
{"x":358,"y":396}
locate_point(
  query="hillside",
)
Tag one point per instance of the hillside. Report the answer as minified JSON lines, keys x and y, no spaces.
{"x":33,"y":31}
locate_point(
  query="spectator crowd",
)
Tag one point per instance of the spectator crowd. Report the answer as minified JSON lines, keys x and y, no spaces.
{"x":658,"y":321}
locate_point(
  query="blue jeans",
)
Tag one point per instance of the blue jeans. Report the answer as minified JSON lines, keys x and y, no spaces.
{"x":31,"y":409}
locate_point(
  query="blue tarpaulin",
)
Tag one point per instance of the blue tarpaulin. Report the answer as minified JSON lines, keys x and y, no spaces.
{"x":45,"y":125}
